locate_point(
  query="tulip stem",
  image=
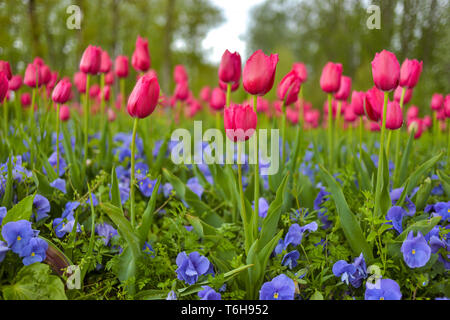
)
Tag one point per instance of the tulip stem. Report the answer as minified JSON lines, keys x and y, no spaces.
{"x":57,"y":138}
{"x":256,"y":156}
{"x":380,"y":157}
{"x":5,"y":116}
{"x":248,"y":241}
{"x":360,"y":136}
{"x":448,"y":145}
{"x":283,"y":132}
{"x":397,"y":140}
{"x":86,"y":121}
{"x":218,"y":119}
{"x":330,"y":132}
{"x":122,"y":93}
{"x":300,"y":107}
{"x":228,"y":94}
{"x":133,"y":150}
{"x":102,"y":100}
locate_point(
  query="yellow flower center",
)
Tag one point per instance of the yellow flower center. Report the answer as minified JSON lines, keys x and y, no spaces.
{"x":381,"y":298}
{"x":149,"y":185}
{"x":32,"y":254}
{"x":275,"y":295}
{"x":413,"y":251}
{"x":19,"y":238}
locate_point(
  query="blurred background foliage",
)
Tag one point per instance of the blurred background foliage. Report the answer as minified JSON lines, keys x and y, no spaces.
{"x":311,"y":31}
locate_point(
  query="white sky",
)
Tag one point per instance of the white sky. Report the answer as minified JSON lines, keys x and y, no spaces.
{"x":228,"y":35}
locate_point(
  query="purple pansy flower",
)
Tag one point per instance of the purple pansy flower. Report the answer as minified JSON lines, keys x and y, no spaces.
{"x":3,"y":212}
{"x":263,"y":207}
{"x":17,"y":234}
{"x":3,"y":249}
{"x":351,"y":273}
{"x":387,"y":290}
{"x":35,"y":251}
{"x":59,"y":184}
{"x":106,"y":231}
{"x":290,"y":259}
{"x":41,"y":206}
{"x":396,"y":214}
{"x":191,"y":267}
{"x":209,"y":293}
{"x":295,"y":233}
{"x":410,"y":206}
{"x":280,"y":288}
{"x":416,"y":251}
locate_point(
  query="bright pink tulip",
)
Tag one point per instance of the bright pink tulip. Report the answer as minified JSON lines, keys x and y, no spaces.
{"x":410,"y":73}
{"x":385,"y":71}
{"x":440,"y":114}
{"x":33,"y":73}
{"x":344,"y":88}
{"x":230,"y":67}
{"x":15,"y":83}
{"x":121,"y":66}
{"x":394,"y":116}
{"x":46,"y":74}
{"x":64,"y":113}
{"x":205,"y":94}
{"x":349,"y":113}
{"x":374,"y":104}
{"x":94,"y":90}
{"x":4,"y":85}
{"x":374,"y":126}
{"x":141,"y":57}
{"x":292,"y":115}
{"x":105,"y":62}
{"x":62,"y":91}
{"x":358,"y":98}
{"x":181,"y":91}
{"x":106,"y":93}
{"x":262,"y":105}
{"x":427,"y":122}
{"x":6,"y":69}
{"x":288,"y":88}
{"x":53,"y":79}
{"x":447,"y":106}
{"x":259,"y":73}
{"x":38,"y":61}
{"x":111,"y":115}
{"x":240,"y":122}
{"x":179,"y":74}
{"x":398,"y":95}
{"x":312,"y":118}
{"x":301,"y":71}
{"x":144,"y":97}
{"x":437,"y":101}
{"x":79,"y":79}
{"x":25,"y":100}
{"x":330,"y":80}
{"x":91,"y":60}
{"x":418,"y":126}
{"x":218,"y":99}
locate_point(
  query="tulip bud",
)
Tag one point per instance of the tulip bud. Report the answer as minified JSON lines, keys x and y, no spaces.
{"x":6,"y":69}
{"x":440,"y":114}
{"x":79,"y":79}
{"x":218,"y":99}
{"x":64,"y":113}
{"x":141,"y":58}
{"x":349,"y":113}
{"x":109,"y":78}
{"x":330,"y":80}
{"x":181,"y":91}
{"x":417,"y":126}
{"x":46,"y":74}
{"x":240,"y":122}
{"x":15,"y":83}
{"x":374,"y":104}
{"x":292,"y":115}
{"x":180,"y":74}
{"x":385,"y":71}
{"x":111,"y":115}
{"x":312,"y":118}
{"x":374,"y":126}
{"x":144,"y":97}
{"x":53,"y":78}
{"x":106,"y":93}
{"x":437,"y":101}
{"x":62,"y":91}
{"x":301,"y":71}
{"x":358,"y":98}
{"x":91,"y":60}
{"x":105,"y":62}
{"x":394,"y":116}
{"x":25,"y":100}
{"x":3,"y":86}
{"x":288,"y":88}
{"x":205,"y":94}
{"x":262,"y":105}
{"x":412,"y":113}
{"x":259,"y":73}
{"x":410,"y":73}
{"x":344,"y":88}
{"x":398,"y":95}
{"x":38,"y":61}
{"x":427,"y":122}
{"x":121,"y":66}
{"x":94,"y":90}
{"x":230,"y":67}
{"x":33,"y":73}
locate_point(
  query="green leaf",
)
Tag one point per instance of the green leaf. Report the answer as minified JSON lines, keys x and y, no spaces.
{"x":445,"y":181}
{"x":424,"y":226}
{"x":42,"y":184}
{"x":115,"y":192}
{"x":423,"y":194}
{"x":364,"y":179}
{"x":316,"y":296}
{"x":21,"y":211}
{"x":349,"y":224}
{"x":402,"y":169}
{"x":147,"y":217}
{"x":385,"y":198}
{"x":50,"y":171}
{"x":72,"y":160}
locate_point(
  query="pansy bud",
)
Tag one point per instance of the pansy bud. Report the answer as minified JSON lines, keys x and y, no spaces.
{"x":394,"y":116}
{"x":240,"y":122}
{"x":144,"y":97}
{"x":288,"y":88}
{"x":374,"y":104}
{"x":62,"y":91}
{"x":64,"y":113}
{"x":218,"y":99}
{"x":398,"y":95}
{"x":230,"y":67}
{"x":344,"y":88}
{"x":437,"y":101}
{"x":385,"y":71}
{"x":141,"y":57}
{"x":121,"y":66}
{"x":32,"y":73}
{"x":358,"y":98}
{"x":330,"y":80}
{"x":3,"y":86}
{"x":105,"y":62}
{"x":259,"y":73}
{"x":180,"y":74}
{"x":15,"y":83}
{"x":91,"y":60}
{"x":410,"y":73}
{"x":6,"y":69}
{"x":301,"y":71}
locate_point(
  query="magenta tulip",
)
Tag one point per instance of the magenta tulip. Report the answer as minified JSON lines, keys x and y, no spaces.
{"x":25,"y":100}
{"x":301,"y":71}
{"x":437,"y":101}
{"x":259,"y":73}
{"x":6,"y":69}
{"x":105,"y":62}
{"x":181,"y":91}
{"x":46,"y":74}
{"x":398,"y":95}
{"x":330,"y":80}
{"x":64,"y":113}
{"x":79,"y":79}
{"x":33,"y":73}
{"x":4,"y":85}
{"x":141,"y":57}
{"x":410,"y":73}
{"x":288,"y":88}
{"x":240,"y":122}
{"x":121,"y":66}
{"x":344,"y":88}
{"x":374,"y":101}
{"x":179,"y":74}
{"x":218,"y":99}
{"x":447,"y":106}
{"x":61,"y":93}
{"x":224,"y":86}
{"x":91,"y":60}
{"x":15,"y":83}
{"x":230,"y":67}
{"x":385,"y":71}
{"x":394,"y":116}
{"x":358,"y":98}
{"x":412,"y":113}
{"x":144,"y":97}
{"x":205,"y":94}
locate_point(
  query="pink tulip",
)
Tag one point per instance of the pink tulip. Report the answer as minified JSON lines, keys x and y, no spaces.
{"x":33,"y":73}
{"x":181,"y":91}
{"x":218,"y":99}
{"x":109,"y":78}
{"x":230,"y":67}
{"x":259,"y":73}
{"x":437,"y":101}
{"x":344,"y":88}
{"x":240,"y":122}
{"x":349,"y":113}
{"x":64,"y":113}
{"x":330,"y":80}
{"x":106,"y":93}
{"x":301,"y":71}
{"x":292,"y":115}
{"x":25,"y":100}
{"x":53,"y":79}
{"x":447,"y":106}
{"x":105,"y":62}
{"x":62,"y":91}
{"x":15,"y":83}
{"x":94,"y":90}
{"x":46,"y":74}
{"x":374,"y":126}
{"x":224,"y":86}
{"x":205,"y":94}
{"x":262,"y":105}
{"x":3,"y":86}
{"x":288,"y":88}
{"x":79,"y":79}
{"x":410,"y":73}
{"x":144,"y":97}
{"x":121,"y":66}
{"x":91,"y":60}
{"x":358,"y":98}
{"x":180,"y":74}
{"x":418,"y":126}
{"x":141,"y":57}
{"x":398,"y":95}
{"x":111,"y":115}
{"x":6,"y":69}
{"x":374,"y":104}
{"x":427,"y":122}
{"x":312,"y":118}
{"x":394,"y":116}
{"x":385,"y":71}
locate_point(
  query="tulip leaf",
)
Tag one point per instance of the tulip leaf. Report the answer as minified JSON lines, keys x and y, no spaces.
{"x":21,"y":211}
{"x":445,"y":181}
{"x":401,"y":171}
{"x":115,"y":192}
{"x":147,"y":217}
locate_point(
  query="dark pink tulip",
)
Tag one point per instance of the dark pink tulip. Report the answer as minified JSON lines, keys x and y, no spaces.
{"x":121,"y":66}
{"x":398,"y":95}
{"x":111,"y":115}
{"x":240,"y":122}
{"x":179,"y":74}
{"x":46,"y":74}
{"x":259,"y":73}
{"x":301,"y":71}
{"x":3,"y":86}
{"x":224,"y":87}
{"x":53,"y":79}
{"x":334,"y":107}
{"x":109,"y":78}
{"x":38,"y":61}
{"x":25,"y":100}
{"x":94,"y":90}
{"x":292,"y":115}
{"x":15,"y":83}
{"x":6,"y":69}
{"x":262,"y":105}
{"x":312,"y":118}
{"x":349,"y":113}
{"x":288,"y":88}
{"x":447,"y":106}
{"x":394,"y":116}
{"x":344,"y":88}
{"x":141,"y":57}
{"x":417,"y":125}
{"x":410,"y":73}
{"x":230,"y":67}
{"x":91,"y":60}
{"x":440,"y":114}
{"x":427,"y":122}
{"x":181,"y":91}
{"x":374,"y":126}
{"x":437,"y":101}
{"x":33,"y":73}
{"x":330,"y":80}
{"x":412,"y":113}
{"x":79,"y":78}
{"x":105,"y":62}
{"x":205,"y":94}
{"x":64,"y":113}
{"x":385,"y":71}
{"x":358,"y":98}
{"x":144,"y":97}
{"x":106,"y":93}
{"x":374,"y":104}
{"x":218,"y":99}
{"x":62,"y":91}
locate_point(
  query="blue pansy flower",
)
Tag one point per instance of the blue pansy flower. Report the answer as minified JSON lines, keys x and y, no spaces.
{"x":63,"y":226}
{"x":171,"y":295}
{"x":351,"y":273}
{"x":280,"y":288}
{"x":263,"y":207}
{"x":106,"y":231}
{"x":290,"y":259}
{"x":383,"y":289}
{"x":396,"y":214}
{"x":320,"y":199}
{"x":147,"y":248}
{"x":295,"y":233}
{"x":195,"y":186}
{"x":41,"y":206}
{"x":209,"y":293}
{"x":70,"y":209}
{"x":410,"y":206}
{"x":62,"y":164}
{"x":35,"y":251}
{"x":416,"y":251}
{"x":3,"y":212}
{"x":17,"y":234}
{"x":167,"y":189}
{"x":191,"y":267}
{"x":146,"y":186}
{"x":3,"y":249}
{"x":59,"y":184}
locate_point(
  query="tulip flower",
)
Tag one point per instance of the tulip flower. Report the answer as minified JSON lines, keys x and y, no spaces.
{"x":6,"y":69}
{"x":224,"y":86}
{"x":344,"y":88}
{"x":218,"y":99}
{"x":15,"y":83}
{"x":385,"y":71}
{"x":105,"y":62}
{"x":25,"y":100}
{"x":61,"y":93}
{"x":46,"y":74}
{"x":91,"y":60}
{"x":182,"y":91}
{"x":141,"y":57}
{"x":288,"y":88}
{"x":180,"y":74}
{"x":64,"y":113}
{"x":407,"y":95}
{"x":230,"y":67}
{"x":330,"y":80}
{"x":259,"y":73}
{"x":111,"y":115}
{"x":94,"y":91}
{"x":79,"y":79}
{"x":109,"y":78}
{"x":394,"y":116}
{"x":427,"y":121}
{"x":205,"y":94}
{"x":349,"y":113}
{"x":412,"y":113}
{"x":374,"y":103}
{"x":312,"y":118}
{"x":33,"y":76}
{"x":301,"y":71}
{"x":358,"y":98}
{"x":121,"y":66}
{"x":437,"y":101}
{"x":292,"y":115}
{"x":240,"y":122}
{"x":4,"y":85}
{"x":410,"y":73}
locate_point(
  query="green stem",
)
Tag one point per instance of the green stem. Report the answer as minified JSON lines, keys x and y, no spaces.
{"x":133,"y":150}
{"x":248,"y":241}
{"x":5,"y":116}
{"x":102,"y":100}
{"x":448,"y":145}
{"x":330,"y":132}
{"x":360,"y":136}
{"x":228,"y":94}
{"x":57,"y":139}
{"x":256,"y":156}
{"x":122,"y":93}
{"x":397,"y":142}
{"x":283,"y":132}
{"x":86,"y":119}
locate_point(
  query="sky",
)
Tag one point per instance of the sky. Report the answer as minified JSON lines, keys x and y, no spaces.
{"x":229,"y":34}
